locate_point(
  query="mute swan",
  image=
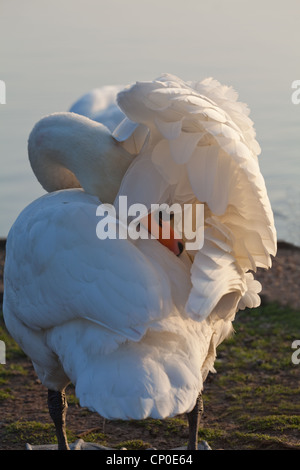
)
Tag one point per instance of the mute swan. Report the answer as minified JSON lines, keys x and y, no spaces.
{"x":134,"y":327}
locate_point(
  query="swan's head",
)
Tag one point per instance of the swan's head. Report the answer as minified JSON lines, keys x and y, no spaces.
{"x":164,"y":232}
{"x":67,"y":150}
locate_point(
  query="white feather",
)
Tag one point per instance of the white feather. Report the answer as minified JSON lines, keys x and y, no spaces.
{"x":131,"y":325}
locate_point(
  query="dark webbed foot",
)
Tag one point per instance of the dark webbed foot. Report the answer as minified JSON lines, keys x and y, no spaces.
{"x":57,"y":404}
{"x":194,"y":421}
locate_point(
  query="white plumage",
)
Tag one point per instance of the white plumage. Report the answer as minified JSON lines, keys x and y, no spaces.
{"x":134,"y":327}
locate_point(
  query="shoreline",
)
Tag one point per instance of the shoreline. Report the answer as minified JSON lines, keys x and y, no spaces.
{"x":281,"y":244}
{"x":280,"y":283}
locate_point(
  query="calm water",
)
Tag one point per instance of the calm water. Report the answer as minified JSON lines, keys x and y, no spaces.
{"x":53,"y":52}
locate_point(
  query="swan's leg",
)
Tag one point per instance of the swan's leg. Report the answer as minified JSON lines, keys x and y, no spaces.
{"x":57,"y":404}
{"x":194,"y":420}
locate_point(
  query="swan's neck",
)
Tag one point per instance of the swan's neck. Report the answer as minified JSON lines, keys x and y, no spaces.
{"x":71,"y":151}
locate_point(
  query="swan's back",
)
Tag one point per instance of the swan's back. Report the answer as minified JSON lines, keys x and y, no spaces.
{"x":100,"y":105}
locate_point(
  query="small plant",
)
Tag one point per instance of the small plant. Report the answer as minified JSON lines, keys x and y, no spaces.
{"x":134,"y":444}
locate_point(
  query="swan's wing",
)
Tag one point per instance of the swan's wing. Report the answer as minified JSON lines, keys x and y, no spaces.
{"x":62,"y":271}
{"x":201,"y":146}
{"x":100,"y":105}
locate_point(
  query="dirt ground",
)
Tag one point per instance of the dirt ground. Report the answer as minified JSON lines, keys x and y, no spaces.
{"x":29,"y":403}
{"x":281,"y":283}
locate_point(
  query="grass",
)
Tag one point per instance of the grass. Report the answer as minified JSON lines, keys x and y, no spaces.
{"x":258,"y":381}
{"x":133,"y":444}
{"x":253,"y":402}
{"x":34,"y":432}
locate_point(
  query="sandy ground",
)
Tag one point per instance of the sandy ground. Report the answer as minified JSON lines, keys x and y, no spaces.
{"x":282,"y":282}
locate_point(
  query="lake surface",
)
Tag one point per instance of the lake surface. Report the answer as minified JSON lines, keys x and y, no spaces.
{"x":53,"y":52}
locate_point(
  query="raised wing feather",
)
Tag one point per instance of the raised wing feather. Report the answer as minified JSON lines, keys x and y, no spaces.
{"x":201,"y":147}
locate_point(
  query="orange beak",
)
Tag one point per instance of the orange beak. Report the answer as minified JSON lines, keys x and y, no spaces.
{"x":165,"y":234}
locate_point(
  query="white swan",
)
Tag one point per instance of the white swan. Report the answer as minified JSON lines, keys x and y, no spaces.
{"x":133,"y":326}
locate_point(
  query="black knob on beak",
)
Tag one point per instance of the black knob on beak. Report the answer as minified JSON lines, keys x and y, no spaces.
{"x":180,"y":247}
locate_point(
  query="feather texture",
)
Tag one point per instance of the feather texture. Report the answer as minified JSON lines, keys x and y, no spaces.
{"x":202,"y":138}
{"x":134,"y":327}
